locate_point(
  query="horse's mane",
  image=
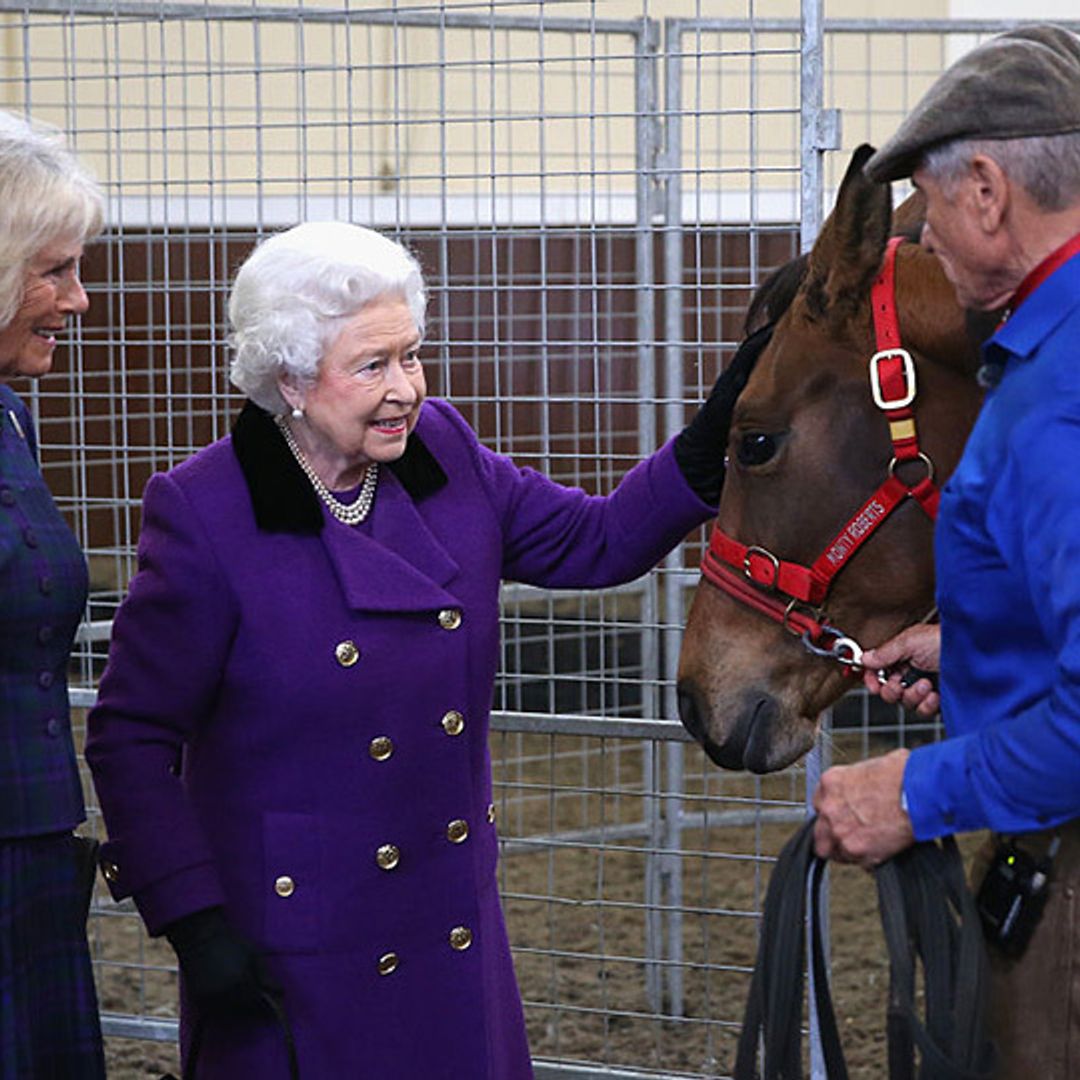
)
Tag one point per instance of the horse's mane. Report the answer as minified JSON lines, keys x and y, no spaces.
{"x":775,"y":294}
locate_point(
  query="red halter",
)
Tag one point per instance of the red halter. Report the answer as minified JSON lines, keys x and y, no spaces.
{"x":793,"y":594}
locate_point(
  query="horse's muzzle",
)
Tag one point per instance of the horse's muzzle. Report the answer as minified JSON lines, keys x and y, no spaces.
{"x":747,"y":745}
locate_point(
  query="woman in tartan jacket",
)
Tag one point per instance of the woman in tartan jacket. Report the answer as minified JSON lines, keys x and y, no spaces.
{"x":49,"y":207}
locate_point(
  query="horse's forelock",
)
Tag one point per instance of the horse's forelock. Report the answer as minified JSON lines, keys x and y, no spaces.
{"x":775,"y":294}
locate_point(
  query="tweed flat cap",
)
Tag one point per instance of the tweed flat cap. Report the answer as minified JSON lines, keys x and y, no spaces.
{"x":1022,"y":83}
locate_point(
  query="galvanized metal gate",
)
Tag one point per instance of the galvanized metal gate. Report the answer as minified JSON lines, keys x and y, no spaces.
{"x":593,"y":198}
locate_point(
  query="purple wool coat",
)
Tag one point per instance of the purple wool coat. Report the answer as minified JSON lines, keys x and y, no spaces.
{"x":294,"y":723}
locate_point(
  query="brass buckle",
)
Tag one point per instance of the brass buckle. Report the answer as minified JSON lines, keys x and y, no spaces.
{"x":769,"y":557}
{"x":875,"y":379}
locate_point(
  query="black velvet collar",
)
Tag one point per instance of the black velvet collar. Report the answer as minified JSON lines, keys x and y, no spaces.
{"x":282,"y":496}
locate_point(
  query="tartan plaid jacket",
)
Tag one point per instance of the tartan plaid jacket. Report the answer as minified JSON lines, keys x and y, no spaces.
{"x":43,"y":587}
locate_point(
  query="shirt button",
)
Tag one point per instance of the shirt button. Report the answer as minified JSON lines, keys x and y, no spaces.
{"x":388,"y":963}
{"x":7,"y":497}
{"x":347,"y":653}
{"x":45,"y":634}
{"x":45,"y":584}
{"x":45,"y":680}
{"x":380,"y":748}
{"x":457,"y":832}
{"x":491,"y":813}
{"x":284,"y":886}
{"x":460,"y":938}
{"x":450,"y":618}
{"x":387,"y":856}
{"x":52,"y":727}
{"x":29,"y":537}
{"x":453,"y":722}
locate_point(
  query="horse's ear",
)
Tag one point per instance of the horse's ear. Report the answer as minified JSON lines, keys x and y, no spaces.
{"x":848,"y":251}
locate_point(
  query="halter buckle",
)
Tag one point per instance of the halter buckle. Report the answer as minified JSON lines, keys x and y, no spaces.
{"x":769,"y":557}
{"x":908,"y":366}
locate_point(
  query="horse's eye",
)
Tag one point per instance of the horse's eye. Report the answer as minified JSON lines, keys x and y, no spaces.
{"x":756,"y":447}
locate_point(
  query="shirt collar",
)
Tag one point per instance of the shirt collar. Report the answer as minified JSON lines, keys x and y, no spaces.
{"x":1039,"y":314}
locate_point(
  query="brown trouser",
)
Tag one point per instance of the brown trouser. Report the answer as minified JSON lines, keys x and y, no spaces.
{"x":1035,"y":1000}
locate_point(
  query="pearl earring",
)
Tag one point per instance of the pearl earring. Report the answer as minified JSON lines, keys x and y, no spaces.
{"x":297,"y":413}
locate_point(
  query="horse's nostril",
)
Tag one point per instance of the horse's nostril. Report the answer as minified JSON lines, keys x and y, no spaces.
{"x":688,"y":713}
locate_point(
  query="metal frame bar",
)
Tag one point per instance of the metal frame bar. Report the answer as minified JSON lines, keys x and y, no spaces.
{"x":657,"y":203}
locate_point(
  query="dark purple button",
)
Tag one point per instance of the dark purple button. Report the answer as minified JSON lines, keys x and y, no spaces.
{"x":53,"y":727}
{"x":45,"y":634}
{"x":45,"y":584}
{"x":45,"y":680}
{"x":7,"y":496}
{"x":30,"y":537}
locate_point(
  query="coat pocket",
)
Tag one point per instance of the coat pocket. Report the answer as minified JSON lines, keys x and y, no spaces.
{"x":291,"y":882}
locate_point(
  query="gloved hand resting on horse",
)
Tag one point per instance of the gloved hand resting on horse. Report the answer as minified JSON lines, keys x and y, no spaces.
{"x":700,"y":446}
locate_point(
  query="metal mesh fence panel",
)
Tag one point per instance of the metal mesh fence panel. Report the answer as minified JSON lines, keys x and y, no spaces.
{"x":593,"y":190}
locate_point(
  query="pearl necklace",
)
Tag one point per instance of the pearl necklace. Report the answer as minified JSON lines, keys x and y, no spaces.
{"x":348,"y":513}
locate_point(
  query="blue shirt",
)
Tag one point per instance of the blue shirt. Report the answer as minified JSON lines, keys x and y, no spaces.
{"x":1008,"y":580}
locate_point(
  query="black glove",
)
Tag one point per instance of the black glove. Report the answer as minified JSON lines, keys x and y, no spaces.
{"x":700,"y":446}
{"x":222,"y":972}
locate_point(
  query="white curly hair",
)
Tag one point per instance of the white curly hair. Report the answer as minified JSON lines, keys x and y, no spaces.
{"x":294,"y":293}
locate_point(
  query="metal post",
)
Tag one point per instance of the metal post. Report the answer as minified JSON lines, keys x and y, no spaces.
{"x":813,"y":124}
{"x":647,"y":146}
{"x":673,"y":422}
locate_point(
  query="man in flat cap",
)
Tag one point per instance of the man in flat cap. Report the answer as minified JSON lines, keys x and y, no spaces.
{"x":995,"y":147}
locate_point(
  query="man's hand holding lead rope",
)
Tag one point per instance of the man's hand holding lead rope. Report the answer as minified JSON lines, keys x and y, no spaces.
{"x":860,"y":819}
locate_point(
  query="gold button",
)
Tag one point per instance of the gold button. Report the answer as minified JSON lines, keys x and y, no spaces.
{"x":347,"y":653}
{"x":380,"y":748}
{"x":457,"y":831}
{"x":453,"y":722}
{"x":460,"y":938}
{"x":387,"y":856}
{"x":110,"y":871}
{"x":388,"y":963}
{"x":450,"y":618}
{"x":284,"y":886}
{"x":491,"y":813}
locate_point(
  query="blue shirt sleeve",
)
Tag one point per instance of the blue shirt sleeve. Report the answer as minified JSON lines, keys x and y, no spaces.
{"x":1018,"y":769}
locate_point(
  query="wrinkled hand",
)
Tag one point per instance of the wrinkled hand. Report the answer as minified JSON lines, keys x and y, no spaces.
{"x":222,"y":972}
{"x":859,"y":814}
{"x":918,"y":647}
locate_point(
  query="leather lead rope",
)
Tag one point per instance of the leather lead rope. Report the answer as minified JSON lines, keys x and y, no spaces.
{"x":928,"y":917}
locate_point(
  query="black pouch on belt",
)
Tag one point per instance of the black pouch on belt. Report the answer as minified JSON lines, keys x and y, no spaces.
{"x":1013,"y":894}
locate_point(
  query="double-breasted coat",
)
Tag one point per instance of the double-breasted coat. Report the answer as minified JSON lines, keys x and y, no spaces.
{"x":294,"y":723}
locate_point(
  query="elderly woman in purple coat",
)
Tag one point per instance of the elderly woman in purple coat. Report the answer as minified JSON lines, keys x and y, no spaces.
{"x":290,"y":744}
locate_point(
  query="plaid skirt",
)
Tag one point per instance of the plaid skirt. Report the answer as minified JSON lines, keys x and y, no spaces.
{"x":49,"y":1025}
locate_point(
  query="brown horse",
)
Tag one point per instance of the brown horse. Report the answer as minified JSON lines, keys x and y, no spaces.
{"x":809,"y":453}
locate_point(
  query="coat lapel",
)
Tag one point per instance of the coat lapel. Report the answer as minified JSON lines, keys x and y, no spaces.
{"x":400,"y":565}
{"x":395,"y":563}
